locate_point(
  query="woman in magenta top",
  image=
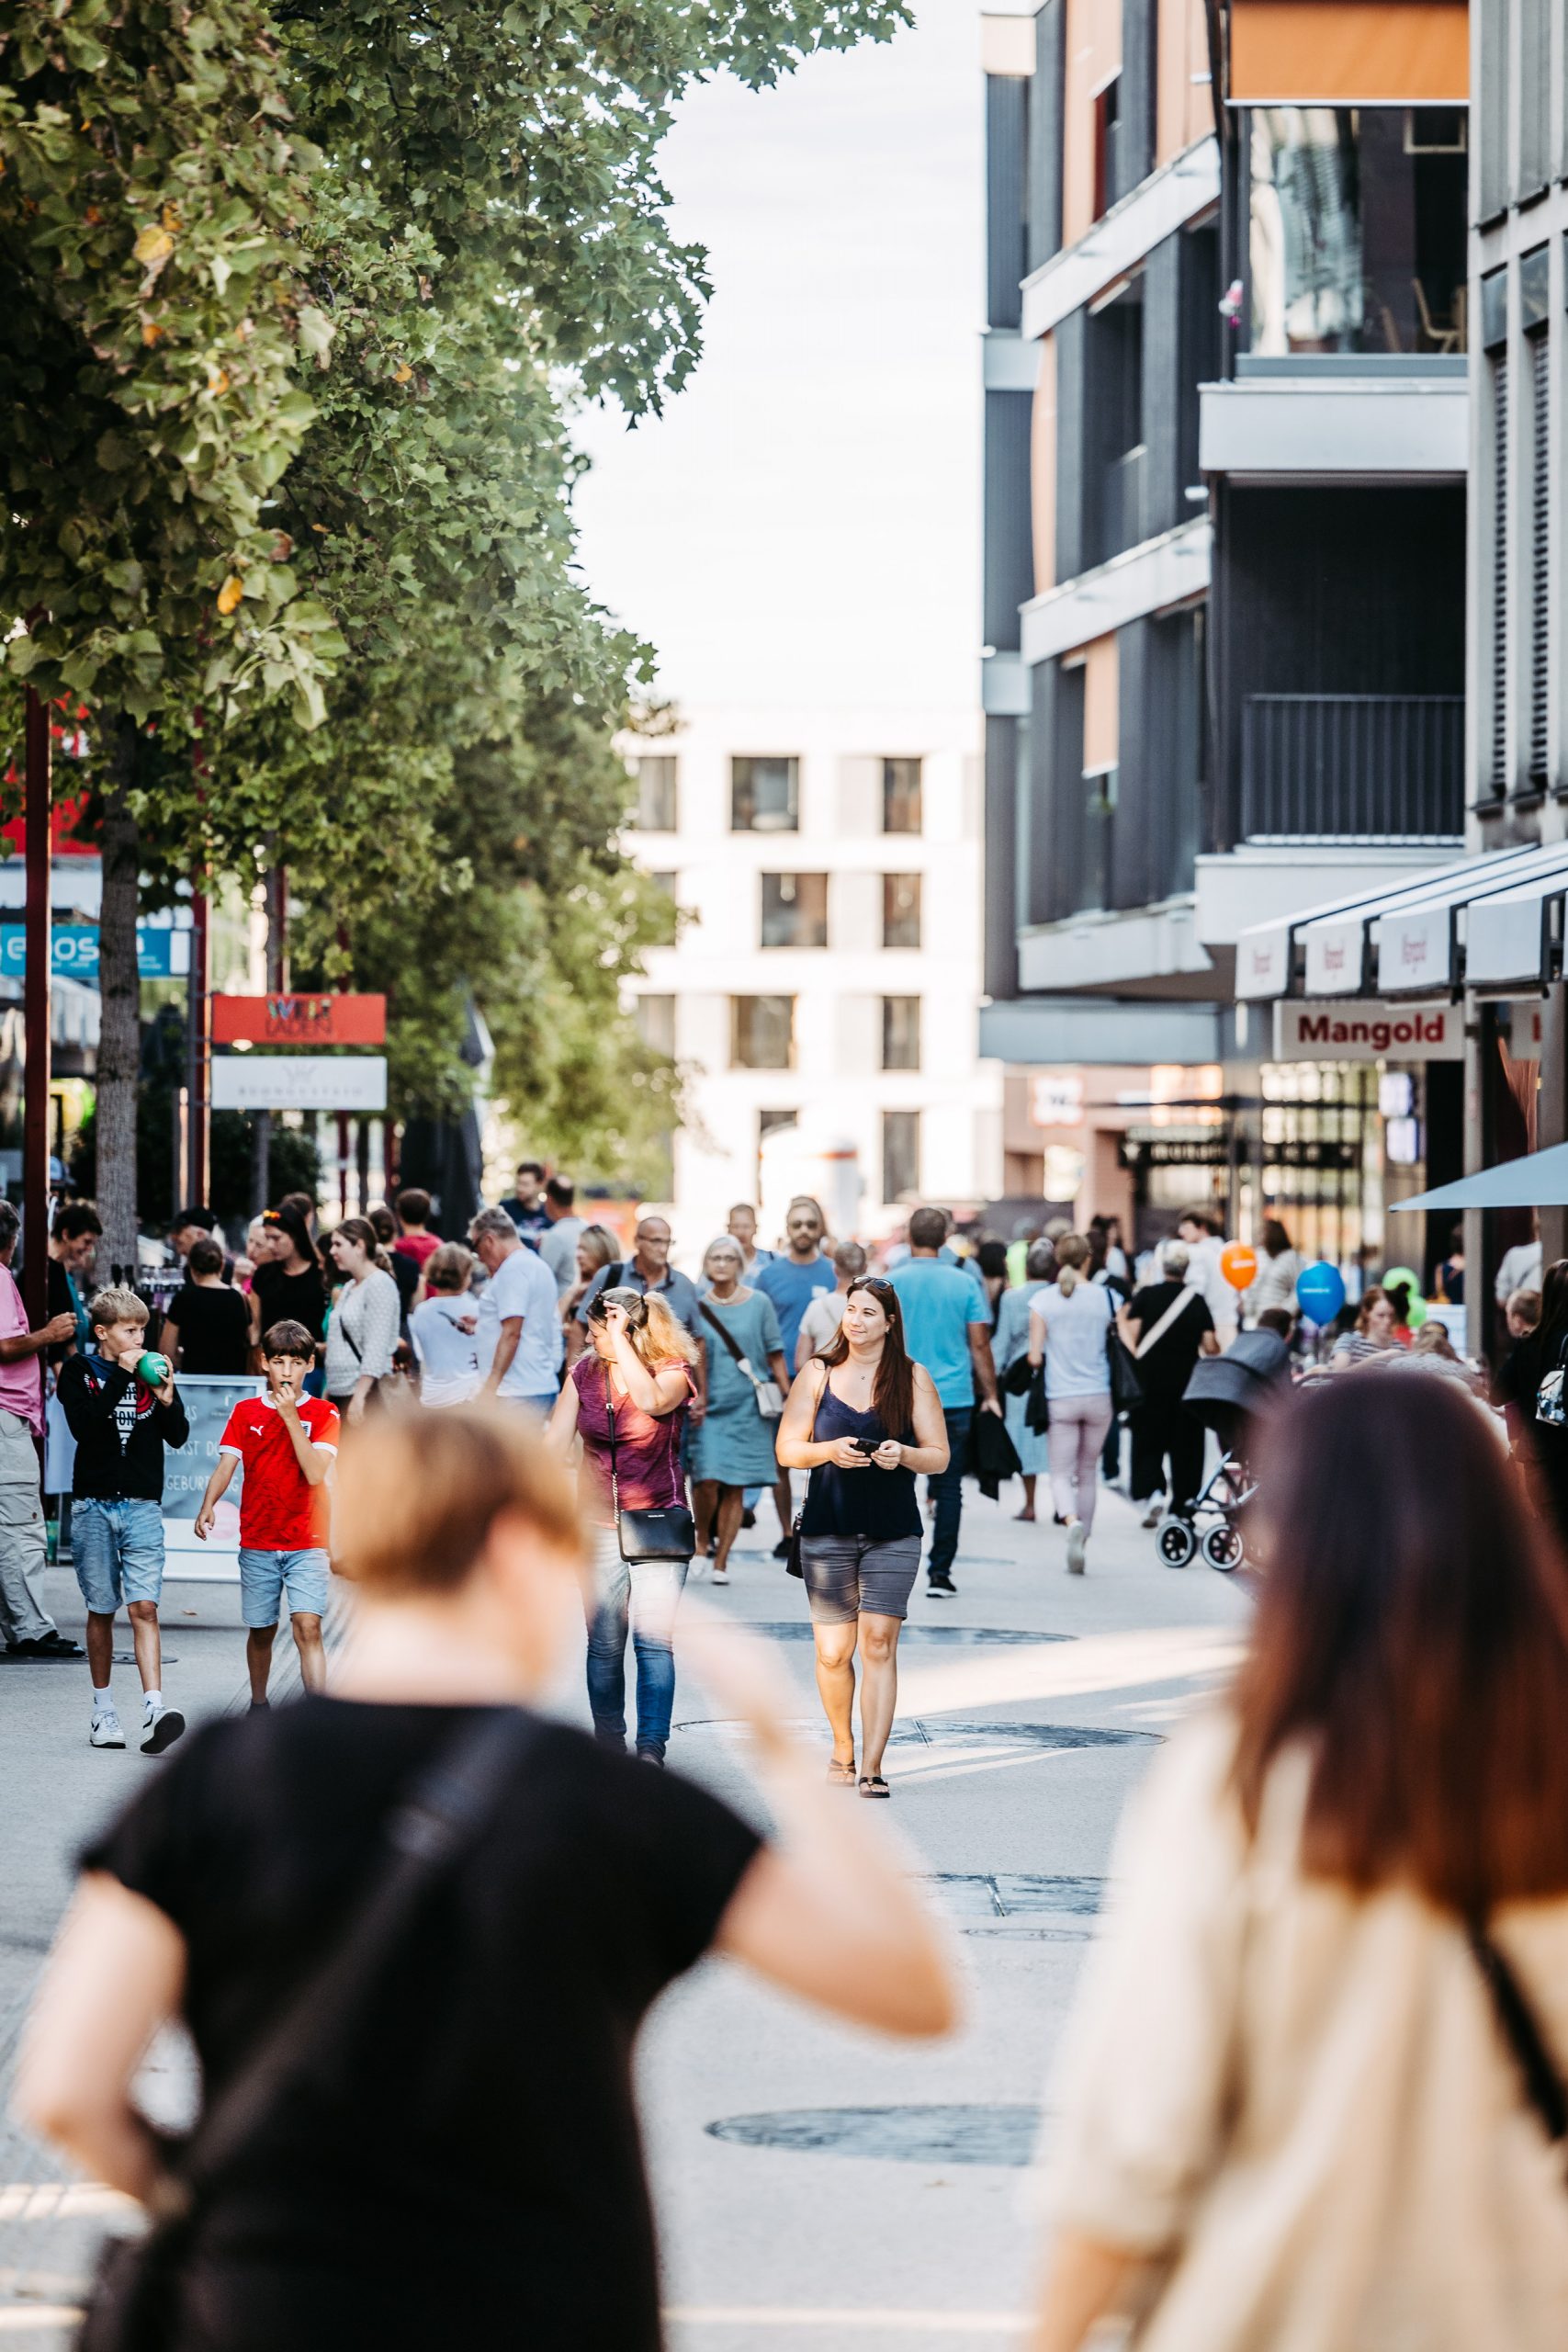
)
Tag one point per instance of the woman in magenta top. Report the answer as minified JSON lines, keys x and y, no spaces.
{"x":640,"y":1367}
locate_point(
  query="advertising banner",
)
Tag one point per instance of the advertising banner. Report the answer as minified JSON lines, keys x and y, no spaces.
{"x":1368,"y":1032}
{"x":307,"y":1019}
{"x":299,"y":1081}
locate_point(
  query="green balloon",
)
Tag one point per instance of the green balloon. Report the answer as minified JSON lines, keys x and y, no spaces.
{"x":1416,"y":1314}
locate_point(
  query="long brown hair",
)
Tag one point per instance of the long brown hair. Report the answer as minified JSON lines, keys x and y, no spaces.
{"x":892,"y":1392}
{"x":1413,"y":1626}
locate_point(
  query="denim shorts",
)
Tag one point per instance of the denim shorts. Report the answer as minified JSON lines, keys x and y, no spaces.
{"x":117,"y":1550}
{"x":264,"y":1577}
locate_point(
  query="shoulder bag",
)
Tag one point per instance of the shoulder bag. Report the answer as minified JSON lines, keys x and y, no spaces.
{"x":794,"y":1565}
{"x":1542,"y":2084}
{"x":435,"y":1826}
{"x":770,"y":1395}
{"x":667,"y":1531}
{"x":1550,"y":1404}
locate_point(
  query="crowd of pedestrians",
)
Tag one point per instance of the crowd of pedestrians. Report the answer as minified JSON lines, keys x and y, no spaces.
{"x":1311,"y":2083}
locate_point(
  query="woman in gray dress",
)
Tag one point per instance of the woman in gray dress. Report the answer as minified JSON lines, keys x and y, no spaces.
{"x":1012,"y":1341}
{"x":734,"y":1443}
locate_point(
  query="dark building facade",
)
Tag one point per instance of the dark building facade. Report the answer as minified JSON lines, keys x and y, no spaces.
{"x":1225,"y":554}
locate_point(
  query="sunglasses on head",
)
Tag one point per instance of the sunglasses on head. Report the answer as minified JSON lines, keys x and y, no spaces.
{"x":633,"y":1301}
{"x":875,"y":1283}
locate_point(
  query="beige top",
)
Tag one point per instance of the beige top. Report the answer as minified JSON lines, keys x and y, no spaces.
{"x":1297,"y":2103}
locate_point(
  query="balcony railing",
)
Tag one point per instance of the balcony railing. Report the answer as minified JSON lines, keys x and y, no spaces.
{"x":1352,"y":768}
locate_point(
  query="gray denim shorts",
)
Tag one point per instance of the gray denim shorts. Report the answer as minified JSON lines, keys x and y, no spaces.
{"x":854,"y":1575}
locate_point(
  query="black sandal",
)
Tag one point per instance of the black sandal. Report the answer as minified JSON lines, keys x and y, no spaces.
{"x":872,"y":1784}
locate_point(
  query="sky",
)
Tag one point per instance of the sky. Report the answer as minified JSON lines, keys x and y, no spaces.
{"x":802,"y":528}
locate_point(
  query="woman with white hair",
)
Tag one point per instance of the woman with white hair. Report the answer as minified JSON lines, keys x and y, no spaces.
{"x":734,"y":1447}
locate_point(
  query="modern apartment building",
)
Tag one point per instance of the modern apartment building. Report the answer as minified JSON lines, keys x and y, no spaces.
{"x":1226,"y":448}
{"x":1480,"y":941}
{"x":825,"y":987}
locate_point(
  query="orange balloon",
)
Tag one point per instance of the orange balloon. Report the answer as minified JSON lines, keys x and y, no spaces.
{"x":1238,"y":1263}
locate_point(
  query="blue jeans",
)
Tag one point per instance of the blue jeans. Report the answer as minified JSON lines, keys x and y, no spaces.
{"x":946,"y":1491}
{"x":643,"y":1597}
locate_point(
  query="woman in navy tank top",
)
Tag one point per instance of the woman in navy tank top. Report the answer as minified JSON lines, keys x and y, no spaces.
{"x":866,"y":1421}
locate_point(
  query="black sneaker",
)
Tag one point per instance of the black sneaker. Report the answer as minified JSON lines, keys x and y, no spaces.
{"x":44,"y":1647}
{"x":940,"y":1585}
{"x":781,"y":1549}
{"x":748,"y":1520}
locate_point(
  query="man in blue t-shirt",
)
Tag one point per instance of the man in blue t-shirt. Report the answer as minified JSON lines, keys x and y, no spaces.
{"x":792,"y":1282}
{"x":947,"y":1328}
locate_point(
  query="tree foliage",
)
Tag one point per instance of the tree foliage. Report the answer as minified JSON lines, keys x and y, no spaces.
{"x":299,"y":302}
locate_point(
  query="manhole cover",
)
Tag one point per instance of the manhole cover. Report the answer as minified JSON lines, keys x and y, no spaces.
{"x":1011,"y":1894}
{"x":900,"y":2135}
{"x":798,"y":1629}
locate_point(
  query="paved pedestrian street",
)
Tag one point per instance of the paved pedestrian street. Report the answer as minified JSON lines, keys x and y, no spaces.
{"x":817,"y":2188}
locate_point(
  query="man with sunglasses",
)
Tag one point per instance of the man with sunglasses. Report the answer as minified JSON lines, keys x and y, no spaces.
{"x":946,"y":1328}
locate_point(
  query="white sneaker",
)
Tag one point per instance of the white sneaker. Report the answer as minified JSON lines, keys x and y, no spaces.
{"x":107,"y":1730}
{"x":1077,"y":1543}
{"x":1154,"y":1512}
{"x":719,"y":1575}
{"x":161,"y":1726}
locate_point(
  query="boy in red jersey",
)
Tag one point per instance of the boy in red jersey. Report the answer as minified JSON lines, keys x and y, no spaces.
{"x":286,"y":1442}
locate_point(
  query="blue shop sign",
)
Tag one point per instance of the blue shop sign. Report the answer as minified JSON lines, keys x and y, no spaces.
{"x":73,"y":952}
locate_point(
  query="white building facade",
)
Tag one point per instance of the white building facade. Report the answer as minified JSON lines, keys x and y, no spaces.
{"x":823,"y":994}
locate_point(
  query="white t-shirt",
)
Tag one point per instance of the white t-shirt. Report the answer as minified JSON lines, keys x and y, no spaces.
{"x":821,"y":1320}
{"x":1076,"y":1324}
{"x":522,"y":1284}
{"x":449,"y":1359}
{"x":1520,"y":1270}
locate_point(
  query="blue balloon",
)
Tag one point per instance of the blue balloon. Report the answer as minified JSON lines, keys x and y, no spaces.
{"x":1320,"y":1292}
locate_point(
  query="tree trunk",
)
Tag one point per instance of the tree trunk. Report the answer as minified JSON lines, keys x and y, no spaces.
{"x":120,"y":1037}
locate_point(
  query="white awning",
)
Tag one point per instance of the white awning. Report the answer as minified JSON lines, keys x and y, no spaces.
{"x":1489,"y":923}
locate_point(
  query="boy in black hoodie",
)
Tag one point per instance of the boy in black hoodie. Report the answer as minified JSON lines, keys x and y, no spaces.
{"x":121,"y":1426}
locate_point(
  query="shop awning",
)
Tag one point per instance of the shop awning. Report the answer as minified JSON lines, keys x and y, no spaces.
{"x":1538,"y":1181}
{"x":1486,"y":923}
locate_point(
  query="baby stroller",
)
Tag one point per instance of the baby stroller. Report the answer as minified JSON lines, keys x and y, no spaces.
{"x":1226,"y":1392}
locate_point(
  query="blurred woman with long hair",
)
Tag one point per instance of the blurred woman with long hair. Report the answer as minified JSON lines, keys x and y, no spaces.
{"x":865,"y":1420}
{"x":289,"y":1286}
{"x":627,"y":1398}
{"x":1303,"y":2098}
{"x":414,"y":1926}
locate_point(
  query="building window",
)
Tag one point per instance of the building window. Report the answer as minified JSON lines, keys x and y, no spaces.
{"x":900,"y":911}
{"x":901,"y":795}
{"x":1107,"y":110}
{"x":762,"y":1032}
{"x":669,"y":883}
{"x":1358,"y":233}
{"x":655,"y":1017}
{"x":900,"y":1155}
{"x":764,"y":796}
{"x":656,"y":797}
{"x":794,"y":911}
{"x":900,"y":1033}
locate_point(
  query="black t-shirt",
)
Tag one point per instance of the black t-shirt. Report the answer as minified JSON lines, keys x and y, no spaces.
{"x":214,"y":1326}
{"x":470,"y":2169}
{"x":405,"y":1274}
{"x":1168,"y":1366}
{"x":291,"y":1298}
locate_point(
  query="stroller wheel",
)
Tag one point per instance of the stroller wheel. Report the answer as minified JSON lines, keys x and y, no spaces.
{"x":1176,"y":1542}
{"x":1223,"y":1547}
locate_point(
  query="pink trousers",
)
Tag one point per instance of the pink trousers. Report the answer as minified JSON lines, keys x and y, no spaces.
{"x":1077,"y":1433}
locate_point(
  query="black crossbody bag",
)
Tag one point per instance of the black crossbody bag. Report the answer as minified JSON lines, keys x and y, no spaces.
{"x":667,"y":1531}
{"x":435,"y":1825}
